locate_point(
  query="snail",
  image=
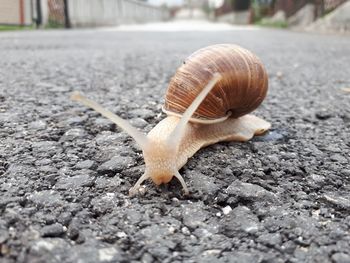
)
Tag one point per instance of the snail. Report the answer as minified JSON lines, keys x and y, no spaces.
{"x":208,"y":100}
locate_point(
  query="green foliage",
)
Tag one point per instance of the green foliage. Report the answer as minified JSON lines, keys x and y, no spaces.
{"x":14,"y":27}
{"x":54,"y":24}
{"x":266,"y":23}
{"x":259,"y":11}
{"x":206,"y":9}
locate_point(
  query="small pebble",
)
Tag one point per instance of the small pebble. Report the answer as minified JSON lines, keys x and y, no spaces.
{"x":54,"y":230}
{"x":226,"y":210}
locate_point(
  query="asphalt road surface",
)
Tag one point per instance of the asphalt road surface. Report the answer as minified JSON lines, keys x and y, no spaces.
{"x":65,"y":171}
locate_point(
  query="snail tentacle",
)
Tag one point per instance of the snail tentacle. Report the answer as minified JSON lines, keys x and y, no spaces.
{"x":140,"y":138}
{"x":177,"y":134}
{"x":133,"y":190}
{"x":182,"y":181}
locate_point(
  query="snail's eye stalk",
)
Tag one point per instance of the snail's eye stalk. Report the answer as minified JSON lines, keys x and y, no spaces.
{"x":133,"y":190}
{"x":177,"y":134}
{"x":140,"y":138}
{"x":182,"y":181}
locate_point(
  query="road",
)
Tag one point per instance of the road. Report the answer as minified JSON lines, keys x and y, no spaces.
{"x":65,"y":171}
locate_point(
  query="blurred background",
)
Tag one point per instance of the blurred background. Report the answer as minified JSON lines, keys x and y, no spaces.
{"x":312,"y":15}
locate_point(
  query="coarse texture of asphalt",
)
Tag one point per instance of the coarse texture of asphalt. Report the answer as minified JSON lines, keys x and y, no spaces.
{"x":65,"y":171}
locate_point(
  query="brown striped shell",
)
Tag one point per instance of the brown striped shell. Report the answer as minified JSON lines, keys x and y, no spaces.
{"x":241,"y":90}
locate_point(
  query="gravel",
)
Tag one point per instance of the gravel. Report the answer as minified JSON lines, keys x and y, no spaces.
{"x":65,"y":171}
{"x":54,"y":230}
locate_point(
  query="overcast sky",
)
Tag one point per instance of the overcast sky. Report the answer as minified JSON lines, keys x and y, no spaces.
{"x":168,"y":2}
{"x":216,"y":3}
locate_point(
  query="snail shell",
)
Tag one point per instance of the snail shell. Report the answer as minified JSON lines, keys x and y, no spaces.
{"x":241,"y":90}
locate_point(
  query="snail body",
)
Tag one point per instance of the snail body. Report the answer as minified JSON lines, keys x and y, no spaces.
{"x":197,"y":136}
{"x":207,"y":101}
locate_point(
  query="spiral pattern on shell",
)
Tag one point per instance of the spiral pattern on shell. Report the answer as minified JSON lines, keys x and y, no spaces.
{"x":241,"y":90}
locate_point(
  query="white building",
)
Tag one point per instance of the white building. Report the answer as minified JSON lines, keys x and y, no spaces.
{"x":16,"y":12}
